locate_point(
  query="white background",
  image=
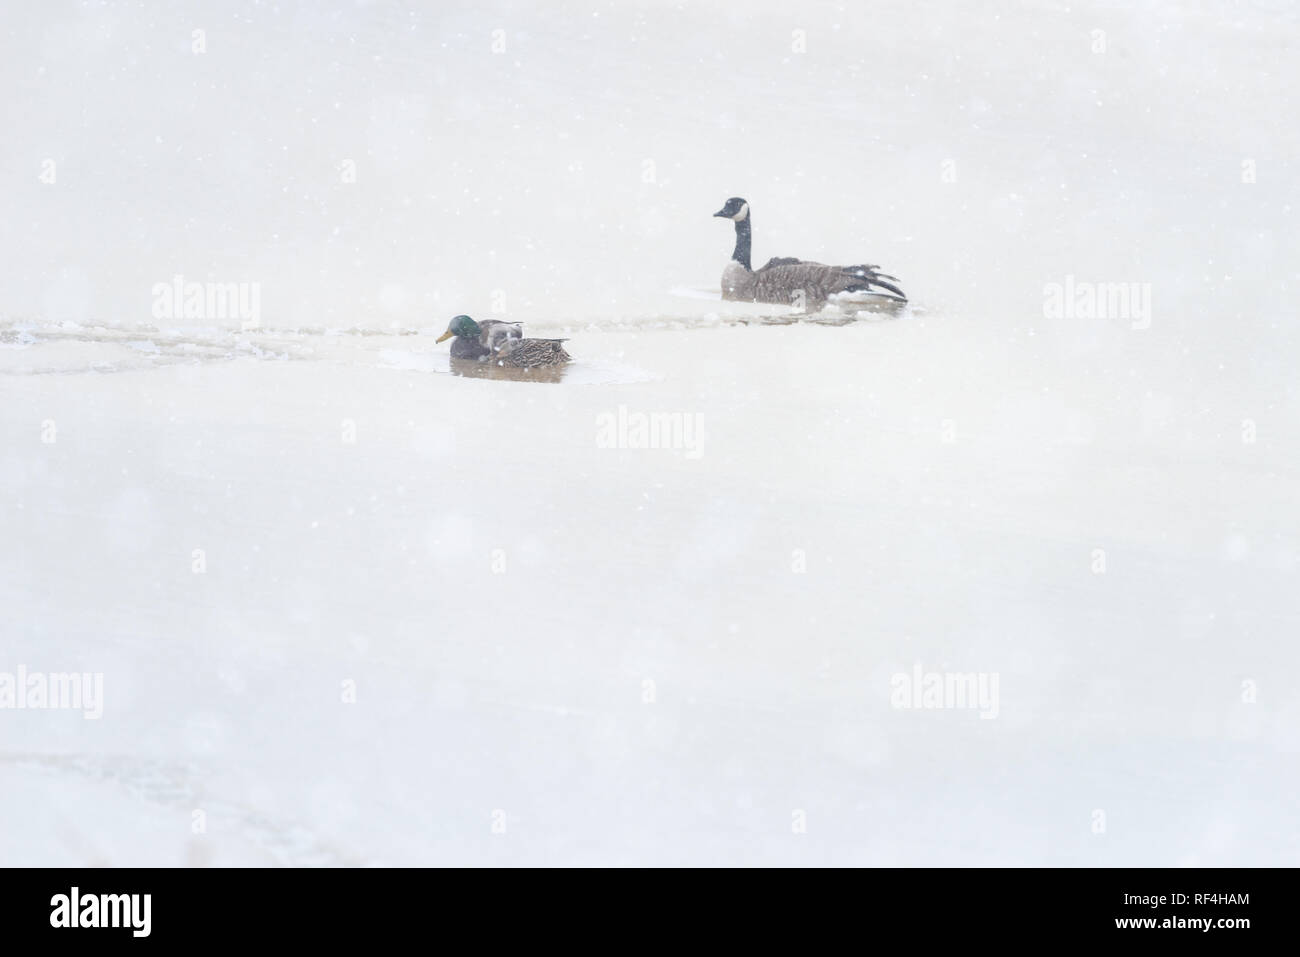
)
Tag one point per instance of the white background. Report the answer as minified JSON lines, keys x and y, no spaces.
{"x":946,"y":478}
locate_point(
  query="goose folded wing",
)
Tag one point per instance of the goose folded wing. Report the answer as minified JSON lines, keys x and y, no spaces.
{"x":782,"y":280}
{"x":870,"y":272}
{"x":867,"y":277}
{"x":819,"y":280}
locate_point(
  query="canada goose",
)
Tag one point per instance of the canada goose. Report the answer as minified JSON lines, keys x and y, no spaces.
{"x":789,"y":280}
{"x":501,"y":343}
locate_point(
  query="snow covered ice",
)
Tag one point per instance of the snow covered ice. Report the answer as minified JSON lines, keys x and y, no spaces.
{"x":1009,"y":579}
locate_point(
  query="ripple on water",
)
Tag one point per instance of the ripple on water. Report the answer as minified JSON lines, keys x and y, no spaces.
{"x":35,"y":348}
{"x":577,"y":372}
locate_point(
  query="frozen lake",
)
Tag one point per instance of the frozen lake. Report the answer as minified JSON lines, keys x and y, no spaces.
{"x":501,"y":582}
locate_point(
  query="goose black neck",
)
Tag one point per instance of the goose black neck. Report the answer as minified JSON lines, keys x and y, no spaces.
{"x":741,"y":255}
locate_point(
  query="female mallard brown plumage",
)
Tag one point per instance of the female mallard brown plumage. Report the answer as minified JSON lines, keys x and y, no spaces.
{"x":502,"y":343}
{"x":530,"y":353}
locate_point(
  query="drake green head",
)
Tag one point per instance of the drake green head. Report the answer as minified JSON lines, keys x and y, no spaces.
{"x":462,"y":327}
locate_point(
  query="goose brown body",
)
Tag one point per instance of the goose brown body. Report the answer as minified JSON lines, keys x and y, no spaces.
{"x":789,"y":280}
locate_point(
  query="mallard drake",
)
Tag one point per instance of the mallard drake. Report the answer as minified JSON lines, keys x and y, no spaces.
{"x":478,"y":340}
{"x":502,"y":343}
{"x":788,"y":279}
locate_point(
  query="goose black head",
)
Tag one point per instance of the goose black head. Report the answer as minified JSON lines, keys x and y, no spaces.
{"x":735,"y":208}
{"x":462,"y":327}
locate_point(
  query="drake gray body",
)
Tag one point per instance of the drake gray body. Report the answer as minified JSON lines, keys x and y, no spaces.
{"x":785,"y":280}
{"x":496,"y":332}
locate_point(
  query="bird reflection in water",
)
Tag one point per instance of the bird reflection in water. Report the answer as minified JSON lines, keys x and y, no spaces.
{"x":474,"y":369}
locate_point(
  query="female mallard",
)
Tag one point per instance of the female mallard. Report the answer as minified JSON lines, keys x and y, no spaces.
{"x":502,"y":343}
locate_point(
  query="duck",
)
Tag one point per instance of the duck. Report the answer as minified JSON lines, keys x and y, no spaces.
{"x":787,"y":279}
{"x":478,"y":340}
{"x":531,"y":353}
{"x":502,"y":343}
